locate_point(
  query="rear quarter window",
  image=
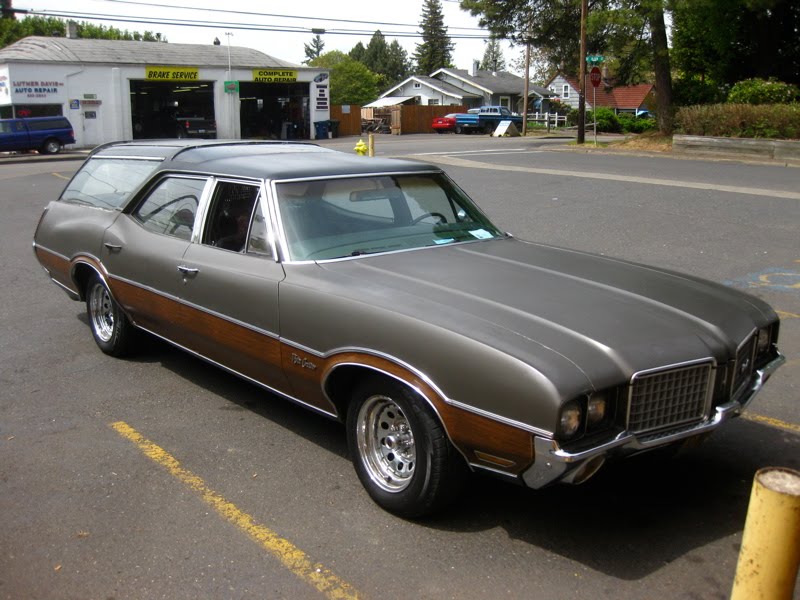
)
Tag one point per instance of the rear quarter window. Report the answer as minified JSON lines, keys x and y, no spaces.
{"x":108,"y":182}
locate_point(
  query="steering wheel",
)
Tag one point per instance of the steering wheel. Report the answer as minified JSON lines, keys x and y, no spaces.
{"x":440,"y":216}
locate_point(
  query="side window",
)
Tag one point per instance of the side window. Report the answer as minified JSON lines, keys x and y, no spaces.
{"x":230,"y":214}
{"x":171,"y":207}
{"x":107,"y":182}
{"x":259,"y":241}
{"x":565,"y":91}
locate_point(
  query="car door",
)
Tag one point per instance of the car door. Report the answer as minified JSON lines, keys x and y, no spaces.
{"x":230,"y":285}
{"x":142,"y":252}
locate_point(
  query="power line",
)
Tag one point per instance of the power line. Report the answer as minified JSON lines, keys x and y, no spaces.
{"x":225,"y":25}
{"x":259,"y":14}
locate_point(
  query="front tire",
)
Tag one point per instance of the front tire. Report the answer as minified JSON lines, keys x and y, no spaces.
{"x":111,"y":329}
{"x":400,"y":450}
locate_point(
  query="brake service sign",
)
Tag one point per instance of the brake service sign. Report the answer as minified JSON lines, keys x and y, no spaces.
{"x":166,"y":73}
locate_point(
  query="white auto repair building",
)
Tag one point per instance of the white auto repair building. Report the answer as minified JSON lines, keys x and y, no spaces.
{"x":114,"y":90}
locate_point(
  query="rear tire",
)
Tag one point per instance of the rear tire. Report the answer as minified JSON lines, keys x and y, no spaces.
{"x":51,"y":146}
{"x":400,"y":450}
{"x":459,"y":130}
{"x":111,"y":329}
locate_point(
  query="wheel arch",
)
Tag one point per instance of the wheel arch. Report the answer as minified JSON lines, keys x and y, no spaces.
{"x":342,"y":378}
{"x":480,"y":439}
{"x":82,"y":272}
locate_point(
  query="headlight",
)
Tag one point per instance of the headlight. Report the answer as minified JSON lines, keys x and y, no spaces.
{"x":596,"y":409}
{"x":570,"y":421}
{"x":763,"y":341}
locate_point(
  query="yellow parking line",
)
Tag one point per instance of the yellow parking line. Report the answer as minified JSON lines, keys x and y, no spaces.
{"x":60,"y":175}
{"x":287,"y":553}
{"x":772,"y":422}
{"x":786,"y":315}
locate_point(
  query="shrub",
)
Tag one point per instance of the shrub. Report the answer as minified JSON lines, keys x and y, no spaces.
{"x":607,"y":121}
{"x":633,"y":124}
{"x":777,"y":121}
{"x":763,"y":91}
{"x":688,"y":92}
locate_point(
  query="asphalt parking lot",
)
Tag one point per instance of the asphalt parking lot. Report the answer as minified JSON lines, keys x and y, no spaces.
{"x":159,"y":477}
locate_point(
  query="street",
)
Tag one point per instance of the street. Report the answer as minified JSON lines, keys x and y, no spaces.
{"x":159,"y":476}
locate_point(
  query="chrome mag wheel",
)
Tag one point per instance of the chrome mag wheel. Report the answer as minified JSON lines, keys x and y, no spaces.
{"x":385,"y":443}
{"x":101,"y":312}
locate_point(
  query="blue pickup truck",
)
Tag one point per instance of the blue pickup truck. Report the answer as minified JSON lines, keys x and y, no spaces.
{"x":485,"y":119}
{"x":45,"y":134}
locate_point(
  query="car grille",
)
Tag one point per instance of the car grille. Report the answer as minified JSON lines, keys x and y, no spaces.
{"x":745,"y":359}
{"x":669,"y":398}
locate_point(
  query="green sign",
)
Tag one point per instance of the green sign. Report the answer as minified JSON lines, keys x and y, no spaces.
{"x":594,"y":58}
{"x":231,"y":87}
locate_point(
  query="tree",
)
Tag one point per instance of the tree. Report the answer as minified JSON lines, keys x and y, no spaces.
{"x":357,"y":52}
{"x":388,"y":61}
{"x":633,"y":32}
{"x":493,"y":59}
{"x":314,"y":49}
{"x":731,"y":40}
{"x":12,"y":30}
{"x":436,"y":49}
{"x":351,"y":81}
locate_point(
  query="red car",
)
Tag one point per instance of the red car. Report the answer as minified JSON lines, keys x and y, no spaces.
{"x":444,"y":124}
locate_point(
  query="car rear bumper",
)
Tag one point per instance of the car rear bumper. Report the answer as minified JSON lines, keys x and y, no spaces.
{"x":553,"y":463}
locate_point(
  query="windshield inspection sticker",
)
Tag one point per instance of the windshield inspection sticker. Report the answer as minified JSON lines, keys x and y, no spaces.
{"x":481,"y":234}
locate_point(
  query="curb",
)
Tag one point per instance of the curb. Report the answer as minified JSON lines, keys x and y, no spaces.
{"x":12,"y":159}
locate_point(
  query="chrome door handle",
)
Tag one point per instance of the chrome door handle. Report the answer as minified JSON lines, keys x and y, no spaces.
{"x":112,"y":247}
{"x":188,"y":270}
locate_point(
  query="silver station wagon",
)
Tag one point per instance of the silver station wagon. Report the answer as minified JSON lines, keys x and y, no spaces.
{"x":375,"y":292}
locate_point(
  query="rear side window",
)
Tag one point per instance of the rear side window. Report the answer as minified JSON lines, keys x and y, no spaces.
{"x":171,"y":207}
{"x":49,"y":124}
{"x":108,"y":182}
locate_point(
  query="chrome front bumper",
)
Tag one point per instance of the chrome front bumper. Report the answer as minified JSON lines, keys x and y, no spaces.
{"x":553,"y":463}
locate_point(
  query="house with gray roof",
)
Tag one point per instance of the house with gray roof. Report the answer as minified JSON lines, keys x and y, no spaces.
{"x":473,"y":88}
{"x":117,"y":89}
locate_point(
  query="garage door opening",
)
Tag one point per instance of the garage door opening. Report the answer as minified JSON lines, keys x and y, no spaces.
{"x":274,"y":111}
{"x":162,"y":109}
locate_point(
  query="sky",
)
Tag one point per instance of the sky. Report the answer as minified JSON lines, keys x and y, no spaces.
{"x":357,"y":16}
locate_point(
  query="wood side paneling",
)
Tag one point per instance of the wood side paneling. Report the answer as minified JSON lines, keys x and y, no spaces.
{"x":467,"y":430}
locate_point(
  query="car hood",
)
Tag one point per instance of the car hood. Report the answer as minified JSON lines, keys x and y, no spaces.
{"x":610,"y":318}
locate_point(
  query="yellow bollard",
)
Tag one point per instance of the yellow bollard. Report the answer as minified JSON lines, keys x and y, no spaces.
{"x":770,"y":554}
{"x":371,"y":139}
{"x":361,"y":148}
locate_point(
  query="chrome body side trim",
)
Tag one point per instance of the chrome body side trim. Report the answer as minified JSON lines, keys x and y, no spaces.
{"x":183,"y":302}
{"x":427,"y":379}
{"x":553,"y":463}
{"x":245,"y":377}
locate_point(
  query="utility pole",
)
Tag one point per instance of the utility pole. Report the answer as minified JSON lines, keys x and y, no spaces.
{"x":7,"y":9}
{"x":582,"y":85}
{"x":526,"y":88}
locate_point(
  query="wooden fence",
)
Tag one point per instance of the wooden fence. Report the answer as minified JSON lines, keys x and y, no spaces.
{"x":349,"y":117}
{"x":405,"y":118}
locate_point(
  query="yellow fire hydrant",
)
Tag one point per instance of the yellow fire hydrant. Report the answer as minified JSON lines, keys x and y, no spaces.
{"x":361,"y":148}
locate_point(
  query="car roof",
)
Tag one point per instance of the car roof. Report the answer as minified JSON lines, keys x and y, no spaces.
{"x":256,"y":159}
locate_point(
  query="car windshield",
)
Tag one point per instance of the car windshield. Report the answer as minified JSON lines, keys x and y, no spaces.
{"x":107,"y":182}
{"x":335,"y":218}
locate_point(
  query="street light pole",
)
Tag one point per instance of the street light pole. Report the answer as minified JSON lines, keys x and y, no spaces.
{"x":231,"y":103}
{"x":228,"y":34}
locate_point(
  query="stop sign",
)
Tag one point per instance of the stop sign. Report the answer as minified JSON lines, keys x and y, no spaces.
{"x":594,"y":76}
